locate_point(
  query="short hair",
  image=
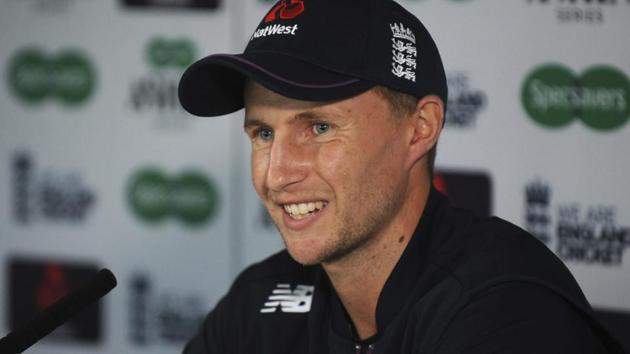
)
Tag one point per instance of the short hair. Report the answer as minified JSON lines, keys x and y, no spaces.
{"x":402,"y":105}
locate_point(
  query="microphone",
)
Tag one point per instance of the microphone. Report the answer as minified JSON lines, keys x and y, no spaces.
{"x":58,"y":313}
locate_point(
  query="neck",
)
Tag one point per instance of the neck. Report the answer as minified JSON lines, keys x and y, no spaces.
{"x":359,"y":277}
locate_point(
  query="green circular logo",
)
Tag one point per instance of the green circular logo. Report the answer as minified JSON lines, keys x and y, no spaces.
{"x":605,"y":98}
{"x":73,"y":77}
{"x":553,"y":96}
{"x":191,"y":197}
{"x":28,"y":75}
{"x":194,"y":198}
{"x":164,"y":53}
{"x":148,"y":195}
{"x":548,"y":95}
{"x":33,"y":76}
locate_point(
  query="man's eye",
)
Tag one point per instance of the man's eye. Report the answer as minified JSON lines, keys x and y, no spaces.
{"x":265,"y":134}
{"x":321,"y":128}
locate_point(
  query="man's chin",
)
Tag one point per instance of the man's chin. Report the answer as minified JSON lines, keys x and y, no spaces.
{"x":313,"y":253}
{"x":304,"y":256}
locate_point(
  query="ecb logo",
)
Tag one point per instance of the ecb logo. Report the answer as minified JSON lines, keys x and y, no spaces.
{"x":190,"y":197}
{"x":68,"y":76}
{"x":554,"y":96}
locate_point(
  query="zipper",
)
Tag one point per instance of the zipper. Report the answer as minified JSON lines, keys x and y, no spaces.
{"x":368,"y":350}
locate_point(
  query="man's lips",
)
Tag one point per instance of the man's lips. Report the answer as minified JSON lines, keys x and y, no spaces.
{"x":298,"y":216}
{"x":301,"y":210}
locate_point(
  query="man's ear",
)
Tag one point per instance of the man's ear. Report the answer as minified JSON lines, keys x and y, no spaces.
{"x":426,"y":123}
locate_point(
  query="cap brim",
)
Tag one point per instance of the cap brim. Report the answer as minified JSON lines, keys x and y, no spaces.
{"x":213,"y":86}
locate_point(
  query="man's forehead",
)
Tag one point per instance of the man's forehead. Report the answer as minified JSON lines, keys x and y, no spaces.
{"x":260,"y":100}
{"x":257,"y":94}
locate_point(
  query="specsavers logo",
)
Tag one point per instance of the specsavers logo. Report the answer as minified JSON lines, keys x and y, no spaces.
{"x":68,"y":76}
{"x":162,"y":52}
{"x":554,"y":96}
{"x":190,"y":197}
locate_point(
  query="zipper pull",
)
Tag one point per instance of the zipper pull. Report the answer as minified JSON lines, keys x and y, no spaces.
{"x":357,"y":349}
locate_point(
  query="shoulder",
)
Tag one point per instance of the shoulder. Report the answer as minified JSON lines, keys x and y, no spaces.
{"x":505,"y":283}
{"x":492,"y":250}
{"x":519,"y":318}
{"x":488,"y":252}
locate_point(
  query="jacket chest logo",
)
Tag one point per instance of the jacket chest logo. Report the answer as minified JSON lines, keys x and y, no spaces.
{"x":289,"y":300}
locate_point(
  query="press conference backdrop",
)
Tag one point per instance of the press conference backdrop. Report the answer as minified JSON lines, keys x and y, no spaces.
{"x":100,"y":166}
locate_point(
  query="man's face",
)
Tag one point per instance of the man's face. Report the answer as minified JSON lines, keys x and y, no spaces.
{"x":330,"y":174}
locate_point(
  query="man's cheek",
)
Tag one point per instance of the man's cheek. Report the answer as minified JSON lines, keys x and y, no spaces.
{"x":259,"y":169}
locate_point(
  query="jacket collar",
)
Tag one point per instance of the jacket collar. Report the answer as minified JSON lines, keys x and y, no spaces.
{"x":399,"y":285}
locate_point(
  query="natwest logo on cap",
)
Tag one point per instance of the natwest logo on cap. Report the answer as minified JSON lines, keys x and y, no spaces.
{"x":273,"y":30}
{"x":286,"y":9}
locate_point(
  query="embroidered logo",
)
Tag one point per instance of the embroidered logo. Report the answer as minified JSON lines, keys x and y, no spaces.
{"x":404,"y":52}
{"x":291,"y":301}
{"x":286,"y":9}
{"x":272,"y":30}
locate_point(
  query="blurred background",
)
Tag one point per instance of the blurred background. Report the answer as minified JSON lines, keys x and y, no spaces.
{"x":101,"y":167}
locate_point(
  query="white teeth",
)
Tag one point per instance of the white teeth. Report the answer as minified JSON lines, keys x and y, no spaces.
{"x":299,"y":211}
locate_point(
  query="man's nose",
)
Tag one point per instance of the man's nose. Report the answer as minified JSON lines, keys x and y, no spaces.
{"x":288,"y":163}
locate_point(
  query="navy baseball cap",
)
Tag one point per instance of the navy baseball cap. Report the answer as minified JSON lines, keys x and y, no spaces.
{"x":320,"y":50}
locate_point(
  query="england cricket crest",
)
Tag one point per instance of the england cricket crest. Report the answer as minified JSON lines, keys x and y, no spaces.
{"x":404,"y":52}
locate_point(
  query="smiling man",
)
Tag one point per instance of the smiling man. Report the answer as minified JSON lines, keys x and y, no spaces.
{"x":344,"y":104}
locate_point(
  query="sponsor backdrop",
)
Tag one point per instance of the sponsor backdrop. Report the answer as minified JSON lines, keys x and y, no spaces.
{"x":100,"y":167}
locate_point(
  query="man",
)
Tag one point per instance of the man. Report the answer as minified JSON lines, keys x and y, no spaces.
{"x":344,"y":103}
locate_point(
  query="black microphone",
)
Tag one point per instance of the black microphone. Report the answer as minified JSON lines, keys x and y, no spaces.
{"x":58,"y":313}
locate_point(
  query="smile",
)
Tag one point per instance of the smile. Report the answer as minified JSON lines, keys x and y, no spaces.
{"x":299,"y":211}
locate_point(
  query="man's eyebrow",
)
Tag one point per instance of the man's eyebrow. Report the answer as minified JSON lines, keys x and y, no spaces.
{"x":253,"y":122}
{"x":315,"y":115}
{"x":302,"y":116}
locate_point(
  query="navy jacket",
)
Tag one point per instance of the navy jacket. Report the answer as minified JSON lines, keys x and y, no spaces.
{"x":462,"y":285}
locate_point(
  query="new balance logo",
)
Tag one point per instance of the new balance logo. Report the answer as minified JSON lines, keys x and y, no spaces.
{"x":292,"y":301}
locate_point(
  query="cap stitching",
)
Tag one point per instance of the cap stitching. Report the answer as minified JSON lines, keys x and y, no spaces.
{"x":257,"y":67}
